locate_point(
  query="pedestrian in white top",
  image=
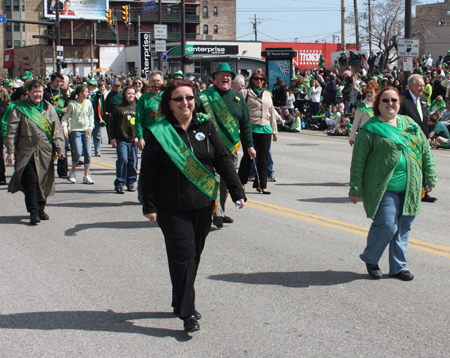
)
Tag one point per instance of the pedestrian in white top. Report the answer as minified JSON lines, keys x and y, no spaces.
{"x":78,"y":123}
{"x":290,"y":100}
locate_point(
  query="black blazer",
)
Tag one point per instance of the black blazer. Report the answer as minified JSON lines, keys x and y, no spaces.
{"x":408,"y":108}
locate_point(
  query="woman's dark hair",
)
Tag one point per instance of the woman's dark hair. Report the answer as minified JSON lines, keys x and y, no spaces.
{"x":376,"y":103}
{"x":79,"y":89}
{"x":164,"y":107}
{"x":19,"y":92}
{"x":261,"y":74}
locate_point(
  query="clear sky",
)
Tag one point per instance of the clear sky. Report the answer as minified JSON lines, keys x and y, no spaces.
{"x":286,"y":20}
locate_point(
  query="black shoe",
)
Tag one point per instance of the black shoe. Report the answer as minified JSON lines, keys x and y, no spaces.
{"x":34,"y":219}
{"x":197,"y":314}
{"x":191,"y":324}
{"x":2,"y":182}
{"x":404,"y":275}
{"x":227,"y":220}
{"x":428,"y":199}
{"x":218,"y":221}
{"x":374,"y":271}
{"x":119,"y":190}
{"x":43,"y":215}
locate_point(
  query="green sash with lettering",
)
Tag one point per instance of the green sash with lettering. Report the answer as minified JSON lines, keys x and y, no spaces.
{"x":410,"y":143}
{"x":37,"y":117}
{"x":217,"y":109}
{"x":367,"y":111}
{"x":184,"y":159}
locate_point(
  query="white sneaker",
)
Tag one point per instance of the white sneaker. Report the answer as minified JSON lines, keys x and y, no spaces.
{"x":72,"y":176}
{"x":87,"y":180}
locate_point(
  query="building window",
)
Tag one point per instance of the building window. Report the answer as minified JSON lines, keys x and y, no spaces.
{"x":8,"y":44}
{"x":8,"y":27}
{"x":16,"y":6}
{"x":23,"y":5}
{"x":215,"y":10}
{"x":23,"y":43}
{"x":205,"y":29}
{"x":169,"y":10}
{"x":205,"y":11}
{"x":174,"y":28}
{"x":16,"y":27}
{"x":8,"y":5}
{"x":23,"y":27}
{"x":16,"y":43}
{"x":216,"y":29}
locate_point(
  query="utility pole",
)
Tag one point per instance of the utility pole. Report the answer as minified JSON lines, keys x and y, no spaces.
{"x":160,"y":22}
{"x":256,"y":29}
{"x":408,"y":6}
{"x":370,"y":28}
{"x":343,"y":42}
{"x":58,"y":37}
{"x":358,"y":46}
{"x":183,"y":37}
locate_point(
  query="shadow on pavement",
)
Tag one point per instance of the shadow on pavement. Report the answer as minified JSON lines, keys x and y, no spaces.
{"x":313,"y":184}
{"x":15,"y":220}
{"x":94,"y":204}
{"x":292,"y":279}
{"x":331,"y":200}
{"x":111,"y":225}
{"x":99,"y":321}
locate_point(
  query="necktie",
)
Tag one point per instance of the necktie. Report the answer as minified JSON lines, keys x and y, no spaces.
{"x":419,"y":109}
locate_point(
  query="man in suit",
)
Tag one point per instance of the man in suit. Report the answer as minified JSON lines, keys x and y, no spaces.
{"x":414,"y":106}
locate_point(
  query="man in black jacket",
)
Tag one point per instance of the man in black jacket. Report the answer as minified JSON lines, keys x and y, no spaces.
{"x":414,"y":106}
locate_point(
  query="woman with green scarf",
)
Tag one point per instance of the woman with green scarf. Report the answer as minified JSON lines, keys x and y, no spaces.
{"x":264,"y":127}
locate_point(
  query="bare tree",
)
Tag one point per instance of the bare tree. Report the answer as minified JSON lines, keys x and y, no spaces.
{"x":387,"y":25}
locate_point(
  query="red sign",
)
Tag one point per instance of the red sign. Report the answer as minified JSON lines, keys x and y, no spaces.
{"x":308,"y":54}
{"x":8,"y":58}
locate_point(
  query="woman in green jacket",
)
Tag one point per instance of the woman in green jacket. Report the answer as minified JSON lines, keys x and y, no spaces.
{"x":389,"y":156}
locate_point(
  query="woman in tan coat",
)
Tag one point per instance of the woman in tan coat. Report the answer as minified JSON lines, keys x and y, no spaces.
{"x":264,"y":127}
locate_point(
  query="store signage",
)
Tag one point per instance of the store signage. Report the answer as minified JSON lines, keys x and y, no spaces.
{"x":145,"y":49}
{"x":211,"y":50}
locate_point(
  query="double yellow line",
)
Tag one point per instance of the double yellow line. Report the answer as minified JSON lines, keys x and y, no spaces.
{"x":424,"y":246}
{"x":420,"y":245}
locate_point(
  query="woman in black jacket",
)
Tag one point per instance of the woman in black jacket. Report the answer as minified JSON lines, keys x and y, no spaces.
{"x":179,"y":188}
{"x":123,"y":137}
{"x":279,"y":93}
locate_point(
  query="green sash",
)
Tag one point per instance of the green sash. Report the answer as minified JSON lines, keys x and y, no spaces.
{"x":37,"y":117}
{"x":367,"y":111}
{"x":182,"y":157}
{"x":410,"y":143}
{"x":217,"y":109}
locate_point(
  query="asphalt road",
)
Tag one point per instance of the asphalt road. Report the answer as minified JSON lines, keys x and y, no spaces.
{"x":284,"y":280}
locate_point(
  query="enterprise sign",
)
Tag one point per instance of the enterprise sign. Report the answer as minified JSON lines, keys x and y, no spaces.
{"x":211,"y":50}
{"x":145,"y":48}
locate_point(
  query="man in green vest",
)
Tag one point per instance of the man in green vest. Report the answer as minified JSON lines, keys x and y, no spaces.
{"x":34,"y":135}
{"x":229,"y":113}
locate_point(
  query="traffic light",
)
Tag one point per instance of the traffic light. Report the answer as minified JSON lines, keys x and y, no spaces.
{"x":126,"y":13}
{"x":109,"y":17}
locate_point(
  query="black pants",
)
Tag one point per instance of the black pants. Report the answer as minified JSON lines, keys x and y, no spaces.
{"x":2,"y":161}
{"x":185,"y":233}
{"x":261,"y":143}
{"x":30,"y":186}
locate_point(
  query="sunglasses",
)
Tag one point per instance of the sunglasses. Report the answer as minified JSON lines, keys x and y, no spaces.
{"x":137,"y":84}
{"x":387,"y":100}
{"x":179,"y":99}
{"x":258,"y":78}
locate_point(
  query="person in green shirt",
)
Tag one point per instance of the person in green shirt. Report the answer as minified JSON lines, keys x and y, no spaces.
{"x":148,"y":107}
{"x":438,"y":129}
{"x":427,"y":91}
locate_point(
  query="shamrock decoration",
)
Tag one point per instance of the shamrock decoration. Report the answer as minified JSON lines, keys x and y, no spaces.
{"x":413,"y":129}
{"x":237,"y":99}
{"x":202,"y":118}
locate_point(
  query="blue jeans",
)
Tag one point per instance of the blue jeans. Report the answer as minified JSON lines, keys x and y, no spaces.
{"x":81,"y":145}
{"x":97,"y":137}
{"x":389,"y":227}
{"x":126,"y":173}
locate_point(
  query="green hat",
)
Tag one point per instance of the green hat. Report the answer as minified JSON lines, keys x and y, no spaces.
{"x":92,"y":83}
{"x":224,"y":67}
{"x":45,"y":79}
{"x":178,"y":73}
{"x":28,"y":75}
{"x":166,"y":77}
{"x":7,"y":84}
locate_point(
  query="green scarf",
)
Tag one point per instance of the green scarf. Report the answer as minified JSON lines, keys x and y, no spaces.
{"x":218,"y":111}
{"x":39,"y":107}
{"x":184,"y":159}
{"x":33,"y":112}
{"x":410,"y":143}
{"x":258,"y":91}
{"x":367,"y":111}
